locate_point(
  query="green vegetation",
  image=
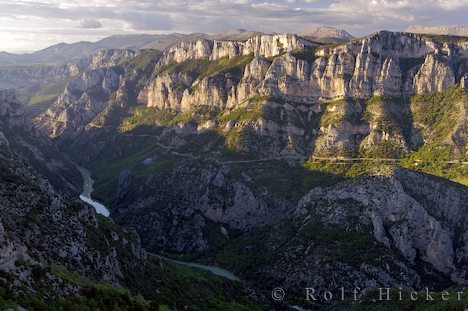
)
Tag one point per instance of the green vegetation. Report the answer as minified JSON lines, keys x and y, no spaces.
{"x":141,"y":61}
{"x":93,"y":296}
{"x":77,"y":279}
{"x":441,"y":39}
{"x":248,"y":113}
{"x":438,"y":112}
{"x":243,"y":253}
{"x":288,"y":181}
{"x":342,"y":169}
{"x":338,"y":244}
{"x":152,"y":116}
{"x":305,"y":54}
{"x":37,"y":94}
{"x":107,"y":173}
{"x":333,"y":118}
{"x":202,"y":68}
{"x":392,"y":116}
{"x":434,"y":160}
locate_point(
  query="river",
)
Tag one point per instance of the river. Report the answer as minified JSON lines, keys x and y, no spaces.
{"x":88,"y":189}
{"x":85,"y":196}
{"x":215,"y":270}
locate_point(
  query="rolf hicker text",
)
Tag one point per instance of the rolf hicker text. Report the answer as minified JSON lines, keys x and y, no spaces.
{"x":383,"y":294}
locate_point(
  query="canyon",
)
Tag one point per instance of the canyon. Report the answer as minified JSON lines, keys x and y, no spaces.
{"x":284,"y":159}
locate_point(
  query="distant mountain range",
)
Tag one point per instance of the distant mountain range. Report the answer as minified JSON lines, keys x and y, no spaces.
{"x":326,"y":34}
{"x":461,"y":31}
{"x":64,"y":52}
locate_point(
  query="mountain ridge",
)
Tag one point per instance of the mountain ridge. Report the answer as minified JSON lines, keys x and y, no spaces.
{"x":461,"y":31}
{"x":60,"y":53}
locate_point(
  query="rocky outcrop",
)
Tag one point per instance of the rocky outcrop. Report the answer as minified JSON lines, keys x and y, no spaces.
{"x":103,"y":58}
{"x":386,"y":230}
{"x":262,"y":45}
{"x":19,"y":134}
{"x":404,"y":222}
{"x":40,"y":228}
{"x":14,"y":78}
{"x":181,"y":204}
{"x":95,"y":79}
{"x":383,"y":64}
{"x":82,"y":100}
{"x":433,"y":76}
{"x":104,"y":84}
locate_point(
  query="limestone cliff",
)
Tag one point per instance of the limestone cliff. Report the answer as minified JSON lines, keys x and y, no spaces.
{"x":41,"y":229}
{"x":261,"y":45}
{"x":383,"y":230}
{"x":383,"y":64}
{"x":207,"y":194}
{"x":19,"y":134}
{"x":107,"y":78}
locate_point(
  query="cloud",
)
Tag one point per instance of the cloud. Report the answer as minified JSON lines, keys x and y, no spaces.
{"x":90,"y":24}
{"x":107,"y":17}
{"x":146,"y":20}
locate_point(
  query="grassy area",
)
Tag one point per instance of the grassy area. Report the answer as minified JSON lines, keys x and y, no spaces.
{"x":152,"y":116}
{"x":333,"y":118}
{"x":37,"y":94}
{"x":93,"y":296}
{"x":432,"y":159}
{"x":107,"y":174}
{"x":141,"y":61}
{"x":307,"y":54}
{"x":337,"y":168}
{"x":77,"y":279}
{"x":287,"y":181}
{"x":438,"y":112}
{"x":248,"y":113}
{"x":202,"y":68}
{"x":168,"y":288}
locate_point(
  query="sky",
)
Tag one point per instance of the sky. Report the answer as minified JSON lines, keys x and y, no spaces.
{"x":29,"y":25}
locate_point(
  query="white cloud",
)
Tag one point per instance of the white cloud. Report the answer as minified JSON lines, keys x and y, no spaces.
{"x":90,"y":24}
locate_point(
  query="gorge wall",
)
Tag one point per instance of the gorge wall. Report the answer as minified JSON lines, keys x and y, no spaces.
{"x":383,"y":64}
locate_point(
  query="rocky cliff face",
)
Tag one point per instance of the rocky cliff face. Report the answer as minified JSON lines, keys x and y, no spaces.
{"x":185,"y":204}
{"x":232,"y":74}
{"x":386,"y":65}
{"x":18,"y":133}
{"x":262,"y":45}
{"x":14,"y":78}
{"x":107,"y":78}
{"x":40,"y":229}
{"x":81,"y":101}
{"x":374,"y":231}
{"x":383,"y":64}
